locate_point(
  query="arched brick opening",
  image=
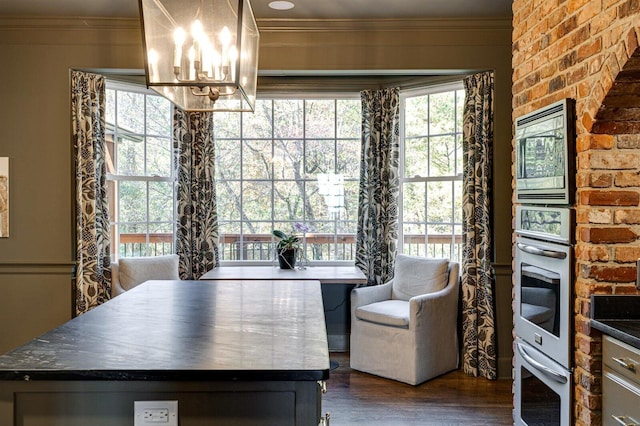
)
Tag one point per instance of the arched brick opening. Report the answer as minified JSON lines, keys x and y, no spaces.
{"x":619,"y":112}
{"x":608,"y":209}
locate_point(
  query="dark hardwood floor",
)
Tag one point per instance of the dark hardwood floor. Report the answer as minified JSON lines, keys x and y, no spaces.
{"x":355,"y":398}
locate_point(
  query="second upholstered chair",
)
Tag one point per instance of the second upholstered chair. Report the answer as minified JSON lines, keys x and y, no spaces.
{"x":406,"y":329}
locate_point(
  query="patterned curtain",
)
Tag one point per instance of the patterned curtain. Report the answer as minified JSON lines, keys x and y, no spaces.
{"x":377,"y":232}
{"x":478,"y":319}
{"x":93,"y":259}
{"x":197,"y":227}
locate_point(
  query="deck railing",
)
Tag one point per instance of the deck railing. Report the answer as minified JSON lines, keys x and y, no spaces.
{"x":260,"y":247}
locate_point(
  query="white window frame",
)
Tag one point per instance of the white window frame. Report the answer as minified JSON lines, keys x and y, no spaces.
{"x":114,"y":221}
{"x":426,"y":90}
{"x":311,"y":95}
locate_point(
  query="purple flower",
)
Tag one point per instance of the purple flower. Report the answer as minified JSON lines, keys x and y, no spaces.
{"x":301,"y":227}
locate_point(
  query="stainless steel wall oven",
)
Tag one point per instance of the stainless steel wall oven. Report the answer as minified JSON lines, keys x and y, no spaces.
{"x":543,"y":325}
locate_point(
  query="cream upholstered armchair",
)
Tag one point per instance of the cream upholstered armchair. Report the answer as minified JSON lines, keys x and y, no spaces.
{"x":129,"y":272}
{"x":407,"y":328}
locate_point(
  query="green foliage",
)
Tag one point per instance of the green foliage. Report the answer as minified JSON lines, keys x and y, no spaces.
{"x":286,"y":242}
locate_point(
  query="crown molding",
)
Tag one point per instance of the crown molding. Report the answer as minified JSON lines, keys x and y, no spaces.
{"x":69,"y":23}
{"x":267,"y":25}
{"x":353,"y":25}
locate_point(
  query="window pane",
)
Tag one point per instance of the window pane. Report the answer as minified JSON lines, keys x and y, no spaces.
{"x":288,"y":118}
{"x":319,"y":157}
{"x":227,"y":159}
{"x":227,"y":125}
{"x":417,"y":116}
{"x":414,"y":239}
{"x":110,"y":107}
{"x":130,"y":157}
{"x":439,"y":243}
{"x":133,"y":240}
{"x":457,"y":209}
{"x":158,"y":116}
{"x":256,"y":201}
{"x":228,"y":200}
{"x":351,"y":189}
{"x":348,"y":154}
{"x":160,"y":201}
{"x":317,"y":207}
{"x":320,"y":119}
{"x":131,"y":111}
{"x":442,"y":155}
{"x":132,"y":201}
{"x":159,"y":157}
{"x":288,"y":159}
{"x":459,"y":165}
{"x":258,"y":124}
{"x":416,"y":157}
{"x":413,"y":198}
{"x":439,"y":198}
{"x":348,"y":118}
{"x":288,"y":200}
{"x":442,"y":113}
{"x":256,"y":159}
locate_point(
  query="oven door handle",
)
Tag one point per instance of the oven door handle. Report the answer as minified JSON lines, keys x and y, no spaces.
{"x":558,"y":377}
{"x":541,"y":252}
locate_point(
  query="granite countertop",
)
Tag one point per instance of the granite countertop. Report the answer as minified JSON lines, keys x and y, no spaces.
{"x":186,"y":330}
{"x":617,"y":316}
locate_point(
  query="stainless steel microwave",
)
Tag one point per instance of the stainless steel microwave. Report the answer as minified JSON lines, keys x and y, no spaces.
{"x":545,"y":155}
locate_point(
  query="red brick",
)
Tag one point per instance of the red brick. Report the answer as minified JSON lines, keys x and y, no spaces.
{"x":628,"y":8}
{"x":596,"y":141}
{"x":593,"y":253}
{"x":631,"y":42}
{"x":614,"y":160}
{"x":586,"y":288}
{"x":627,"y":216}
{"x":609,"y":198}
{"x":627,"y":253}
{"x":610,"y":273}
{"x":627,"y":179}
{"x":625,"y":289}
{"x":590,"y":49}
{"x":627,"y":141}
{"x":607,"y":235}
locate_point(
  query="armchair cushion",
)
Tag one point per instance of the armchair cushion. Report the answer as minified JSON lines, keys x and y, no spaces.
{"x":415,"y":275}
{"x":136,"y":270}
{"x":394,"y":313}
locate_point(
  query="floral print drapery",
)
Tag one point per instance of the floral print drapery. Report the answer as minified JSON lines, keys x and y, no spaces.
{"x":197,"y":221}
{"x":93,"y":259}
{"x":478,"y":318}
{"x":377,"y":231}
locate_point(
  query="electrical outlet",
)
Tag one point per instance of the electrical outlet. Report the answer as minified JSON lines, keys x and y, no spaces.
{"x":155,"y":413}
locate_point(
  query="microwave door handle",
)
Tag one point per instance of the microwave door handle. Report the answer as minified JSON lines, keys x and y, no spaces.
{"x":558,"y":377}
{"x":541,"y":252}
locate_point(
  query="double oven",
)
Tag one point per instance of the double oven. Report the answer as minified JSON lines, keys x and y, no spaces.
{"x":543,"y":326}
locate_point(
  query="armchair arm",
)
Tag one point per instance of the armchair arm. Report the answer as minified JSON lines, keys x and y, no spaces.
{"x":438,"y":310}
{"x":365,"y":295}
{"x":116,"y":287}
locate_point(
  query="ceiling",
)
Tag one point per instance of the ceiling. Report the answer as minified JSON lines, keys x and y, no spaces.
{"x":304,"y":9}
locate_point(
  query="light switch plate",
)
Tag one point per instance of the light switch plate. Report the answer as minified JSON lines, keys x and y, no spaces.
{"x":155,"y":413}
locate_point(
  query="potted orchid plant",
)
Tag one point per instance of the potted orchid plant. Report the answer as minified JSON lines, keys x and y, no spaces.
{"x":286,"y":248}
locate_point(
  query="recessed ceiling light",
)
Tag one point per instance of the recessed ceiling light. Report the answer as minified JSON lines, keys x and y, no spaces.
{"x":281,"y":5}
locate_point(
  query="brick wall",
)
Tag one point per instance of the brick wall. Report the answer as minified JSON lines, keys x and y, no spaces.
{"x":588,"y":50}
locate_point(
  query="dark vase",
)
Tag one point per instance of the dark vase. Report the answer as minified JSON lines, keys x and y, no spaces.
{"x":287,"y":258}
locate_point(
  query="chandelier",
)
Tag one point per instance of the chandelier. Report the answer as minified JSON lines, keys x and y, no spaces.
{"x":202,"y":55}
